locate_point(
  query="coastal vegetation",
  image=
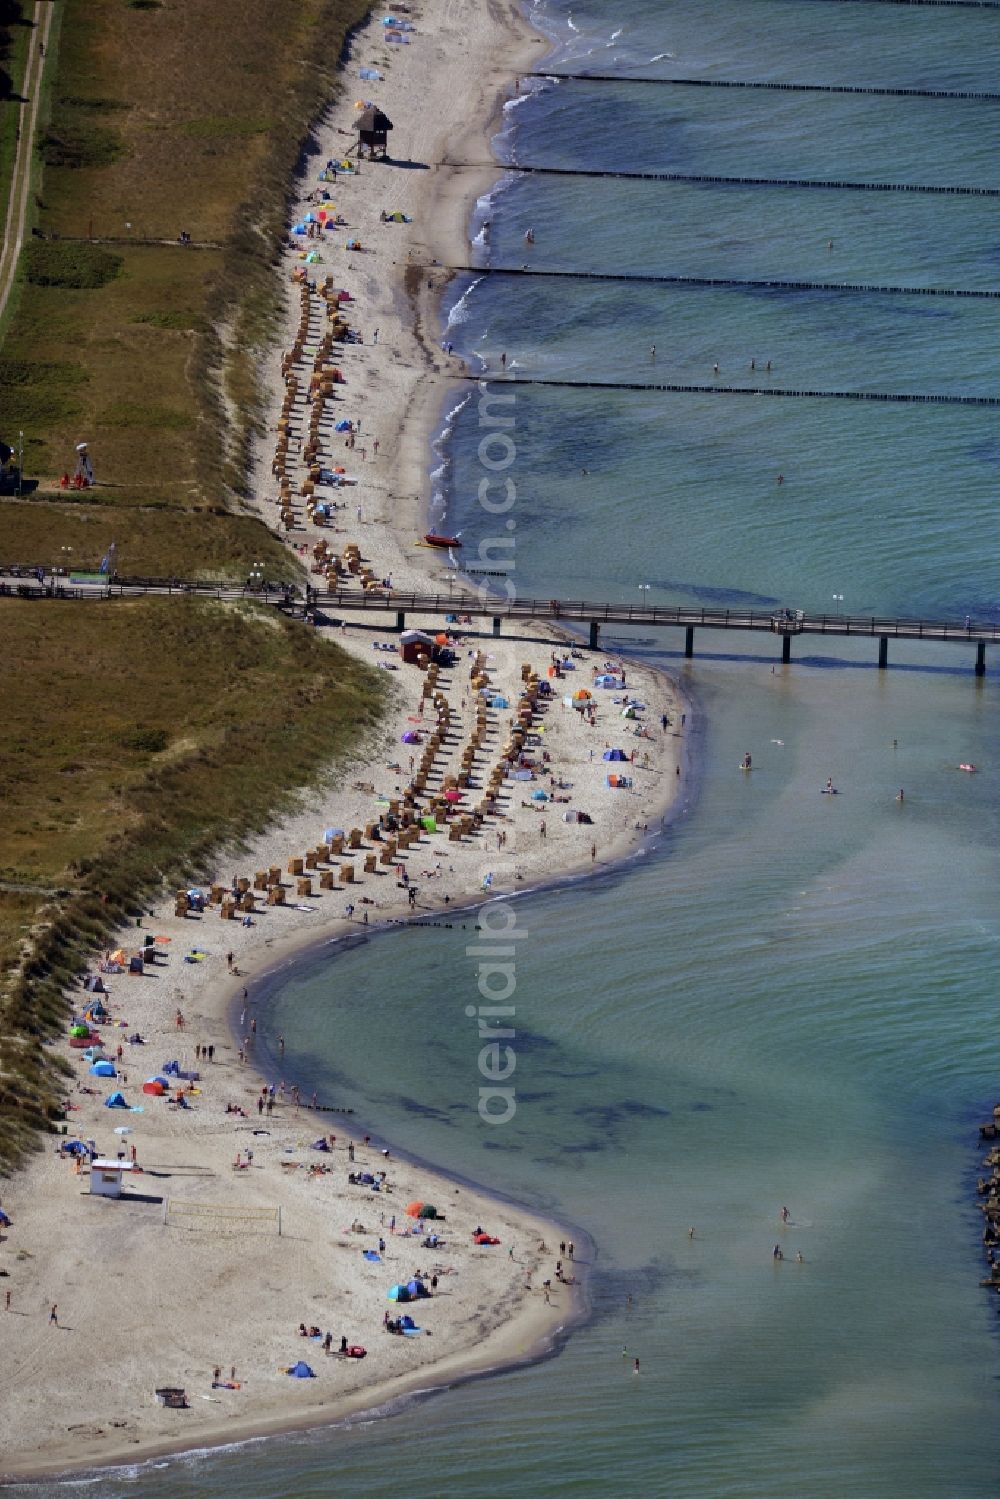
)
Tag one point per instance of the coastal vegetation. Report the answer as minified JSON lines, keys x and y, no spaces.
{"x":140,"y":735}
{"x":136,"y":738}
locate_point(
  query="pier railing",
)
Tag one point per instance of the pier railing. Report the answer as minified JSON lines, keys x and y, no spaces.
{"x":463,"y":598}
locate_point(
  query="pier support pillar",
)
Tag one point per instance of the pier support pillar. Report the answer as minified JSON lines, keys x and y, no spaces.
{"x":689,"y":640}
{"x":786,"y":649}
{"x":595,"y":634}
{"x":981,"y":659}
{"x":400,"y":621}
{"x":883,"y":652}
{"x":496,"y":624}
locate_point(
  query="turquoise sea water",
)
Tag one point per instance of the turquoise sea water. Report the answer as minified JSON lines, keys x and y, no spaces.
{"x":789,"y":999}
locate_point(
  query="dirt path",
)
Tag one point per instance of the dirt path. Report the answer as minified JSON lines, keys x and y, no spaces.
{"x":20,"y":183}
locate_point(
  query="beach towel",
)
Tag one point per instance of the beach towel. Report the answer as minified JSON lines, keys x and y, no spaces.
{"x":372,"y":1254}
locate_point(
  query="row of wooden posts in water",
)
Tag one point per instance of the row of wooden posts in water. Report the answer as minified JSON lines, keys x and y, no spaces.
{"x":404,"y":824}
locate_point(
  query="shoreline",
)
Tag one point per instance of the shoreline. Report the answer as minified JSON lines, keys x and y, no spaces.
{"x":417,"y":424}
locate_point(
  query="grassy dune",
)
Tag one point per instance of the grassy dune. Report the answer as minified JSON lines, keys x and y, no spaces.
{"x":139,"y":735}
{"x":165,"y":115}
{"x":136,"y":737}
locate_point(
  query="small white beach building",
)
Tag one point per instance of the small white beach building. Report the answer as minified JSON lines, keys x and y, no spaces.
{"x":106,"y":1176}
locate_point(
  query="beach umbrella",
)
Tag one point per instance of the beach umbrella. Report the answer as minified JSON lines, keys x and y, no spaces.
{"x":413,"y":1209}
{"x":451,"y":795}
{"x":79,"y":1029}
{"x":581,"y":694}
{"x":428,"y":1211}
{"x":163,"y":940}
{"x":539,"y":795}
{"x":441,"y":639}
{"x":411,"y":737}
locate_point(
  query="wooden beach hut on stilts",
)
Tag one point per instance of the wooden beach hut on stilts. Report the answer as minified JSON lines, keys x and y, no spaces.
{"x":373,"y":133}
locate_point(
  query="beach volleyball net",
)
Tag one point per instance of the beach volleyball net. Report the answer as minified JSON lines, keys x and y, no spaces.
{"x":221,"y":1218}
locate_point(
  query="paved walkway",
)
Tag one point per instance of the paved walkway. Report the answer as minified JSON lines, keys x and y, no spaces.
{"x":20,"y":184}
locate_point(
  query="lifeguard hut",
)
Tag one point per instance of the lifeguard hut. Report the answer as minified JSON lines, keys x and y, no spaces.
{"x":106,"y":1176}
{"x":373,"y":133}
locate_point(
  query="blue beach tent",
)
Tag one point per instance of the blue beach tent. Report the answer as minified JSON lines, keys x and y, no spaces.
{"x":103,"y":1069}
{"x":301,"y":1371}
{"x":615,"y":754}
{"x":115,"y":1101}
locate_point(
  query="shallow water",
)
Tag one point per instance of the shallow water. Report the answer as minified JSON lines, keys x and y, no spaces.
{"x":788,"y":1000}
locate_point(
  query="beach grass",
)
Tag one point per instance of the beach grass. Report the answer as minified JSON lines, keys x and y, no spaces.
{"x":162,"y":119}
{"x":156,"y":118}
{"x":138,"y":737}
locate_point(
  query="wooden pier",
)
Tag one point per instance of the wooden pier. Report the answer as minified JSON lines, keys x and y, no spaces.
{"x":783,"y":623}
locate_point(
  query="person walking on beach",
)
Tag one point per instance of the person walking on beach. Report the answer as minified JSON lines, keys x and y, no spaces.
{"x":6,"y":1302}
{"x":503,"y":360}
{"x":54,"y":1315}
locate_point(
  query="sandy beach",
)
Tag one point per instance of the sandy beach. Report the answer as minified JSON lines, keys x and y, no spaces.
{"x":186,"y":1274}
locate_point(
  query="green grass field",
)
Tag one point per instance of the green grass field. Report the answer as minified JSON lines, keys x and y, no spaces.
{"x":138,"y":736}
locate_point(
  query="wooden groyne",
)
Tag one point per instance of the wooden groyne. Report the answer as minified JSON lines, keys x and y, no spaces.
{"x":780,"y":88}
{"x":736,"y":283}
{"x":915,"y":398}
{"x":822,"y":184}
